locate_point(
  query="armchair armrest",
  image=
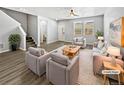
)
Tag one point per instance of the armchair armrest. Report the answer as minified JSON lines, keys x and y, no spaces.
{"x":41,"y":63}
{"x":55,"y":72}
{"x":72,"y":71}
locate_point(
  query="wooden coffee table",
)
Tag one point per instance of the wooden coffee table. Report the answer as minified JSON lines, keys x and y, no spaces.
{"x":71,"y":51}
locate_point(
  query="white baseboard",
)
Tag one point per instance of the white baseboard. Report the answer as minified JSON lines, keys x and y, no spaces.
{"x":4,"y":51}
{"x":9,"y":50}
{"x":52,"y":42}
{"x":22,"y":49}
{"x":68,"y":41}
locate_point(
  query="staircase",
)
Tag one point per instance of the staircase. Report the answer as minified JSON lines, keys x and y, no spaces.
{"x":30,"y":42}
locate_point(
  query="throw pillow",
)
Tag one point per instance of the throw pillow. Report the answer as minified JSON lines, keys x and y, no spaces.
{"x":35,"y":51}
{"x":59,"y":58}
{"x":103,"y":50}
{"x":80,"y":39}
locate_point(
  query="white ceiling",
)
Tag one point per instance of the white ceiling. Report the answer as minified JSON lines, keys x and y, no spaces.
{"x":61,"y":13}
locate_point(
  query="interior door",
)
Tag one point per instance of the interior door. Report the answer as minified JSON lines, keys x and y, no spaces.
{"x":43,"y":30}
{"x":61,"y":32}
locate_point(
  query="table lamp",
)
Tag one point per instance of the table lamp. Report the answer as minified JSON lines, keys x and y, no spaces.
{"x":100,"y":38}
{"x":113,"y":52}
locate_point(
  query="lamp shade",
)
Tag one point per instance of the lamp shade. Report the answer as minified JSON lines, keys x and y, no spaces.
{"x":114,"y":51}
{"x":100,"y":38}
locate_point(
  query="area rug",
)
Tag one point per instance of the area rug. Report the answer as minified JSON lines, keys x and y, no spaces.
{"x":89,"y":47}
{"x":86,"y":76}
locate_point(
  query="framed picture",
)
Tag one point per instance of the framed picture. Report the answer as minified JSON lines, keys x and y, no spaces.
{"x":89,"y":28}
{"x":116,"y":31}
{"x":78,"y":28}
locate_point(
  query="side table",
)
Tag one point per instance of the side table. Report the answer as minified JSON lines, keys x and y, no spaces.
{"x":108,"y":66}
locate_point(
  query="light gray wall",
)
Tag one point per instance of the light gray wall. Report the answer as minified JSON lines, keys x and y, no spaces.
{"x":69,"y":27}
{"x":7,"y":26}
{"x":52,"y":33}
{"x":33,"y":27}
{"x":20,"y":17}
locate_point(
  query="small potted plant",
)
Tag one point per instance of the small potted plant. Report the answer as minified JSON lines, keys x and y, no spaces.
{"x":14,"y":41}
{"x":99,"y":34}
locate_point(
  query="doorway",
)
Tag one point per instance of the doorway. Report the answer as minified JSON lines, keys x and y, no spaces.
{"x":43,"y":31}
{"x":61,"y":33}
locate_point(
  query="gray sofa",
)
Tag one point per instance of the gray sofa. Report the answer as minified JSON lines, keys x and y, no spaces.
{"x":60,"y":70}
{"x":36,"y":60}
{"x":79,"y":41}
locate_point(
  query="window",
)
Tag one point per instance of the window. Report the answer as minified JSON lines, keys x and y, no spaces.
{"x":84,"y":28}
{"x":89,"y":28}
{"x":78,"y":29}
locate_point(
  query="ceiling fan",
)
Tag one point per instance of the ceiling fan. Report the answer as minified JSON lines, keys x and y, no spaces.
{"x":72,"y":13}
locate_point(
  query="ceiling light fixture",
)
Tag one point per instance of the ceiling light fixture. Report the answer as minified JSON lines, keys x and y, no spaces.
{"x":72,"y":13}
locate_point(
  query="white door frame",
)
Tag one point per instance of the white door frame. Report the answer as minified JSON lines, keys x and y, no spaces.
{"x":39,"y":32}
{"x":61,"y":32}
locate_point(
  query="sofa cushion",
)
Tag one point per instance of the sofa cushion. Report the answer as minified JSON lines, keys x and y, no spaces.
{"x":96,"y":50}
{"x":103,"y":50}
{"x":80,"y":39}
{"x":36,"y":51}
{"x":59,"y":58}
{"x":79,"y":43}
{"x":75,"y":39}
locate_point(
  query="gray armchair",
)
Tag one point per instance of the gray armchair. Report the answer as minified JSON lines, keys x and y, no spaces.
{"x":79,"y":41}
{"x":36,"y":60}
{"x":60,"y":70}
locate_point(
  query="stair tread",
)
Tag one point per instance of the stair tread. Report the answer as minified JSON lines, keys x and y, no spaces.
{"x":30,"y":42}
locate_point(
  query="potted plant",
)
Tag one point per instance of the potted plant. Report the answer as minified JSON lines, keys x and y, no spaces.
{"x":99,"y":34}
{"x":14,"y":41}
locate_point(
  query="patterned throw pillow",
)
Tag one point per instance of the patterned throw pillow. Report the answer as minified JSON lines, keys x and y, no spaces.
{"x":103,"y":50}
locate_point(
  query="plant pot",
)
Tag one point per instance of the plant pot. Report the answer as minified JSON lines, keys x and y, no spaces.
{"x":14,"y":47}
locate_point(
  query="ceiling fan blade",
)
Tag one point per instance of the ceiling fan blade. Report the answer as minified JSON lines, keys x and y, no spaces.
{"x":76,"y":15}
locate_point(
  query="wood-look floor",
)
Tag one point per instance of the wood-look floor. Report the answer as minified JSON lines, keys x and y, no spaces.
{"x":14,"y":71}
